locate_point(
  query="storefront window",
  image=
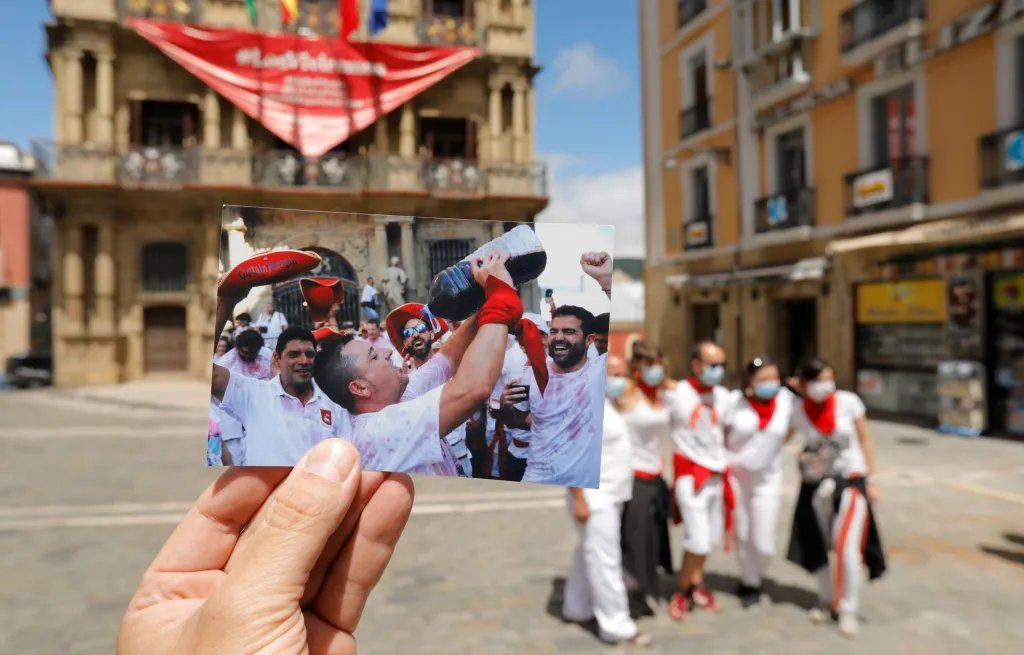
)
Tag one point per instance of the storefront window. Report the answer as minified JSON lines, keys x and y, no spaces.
{"x":1006,"y":357}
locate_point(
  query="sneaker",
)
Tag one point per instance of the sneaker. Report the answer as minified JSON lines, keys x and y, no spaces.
{"x":818,"y":615}
{"x":641,"y":640}
{"x":678,"y":606}
{"x":703,"y":599}
{"x":849,"y":625}
{"x":751,"y":597}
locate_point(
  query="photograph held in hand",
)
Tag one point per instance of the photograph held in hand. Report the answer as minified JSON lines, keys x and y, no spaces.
{"x":412,"y":386}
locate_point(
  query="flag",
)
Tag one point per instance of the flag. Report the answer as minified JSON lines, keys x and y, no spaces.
{"x":349,"y":19}
{"x":289,"y":11}
{"x":251,"y":6}
{"x":378,"y":16}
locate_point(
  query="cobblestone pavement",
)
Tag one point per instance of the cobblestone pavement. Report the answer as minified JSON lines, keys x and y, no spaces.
{"x":89,"y":492}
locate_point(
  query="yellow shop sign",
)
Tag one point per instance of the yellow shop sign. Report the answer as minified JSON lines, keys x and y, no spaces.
{"x":912,"y":301}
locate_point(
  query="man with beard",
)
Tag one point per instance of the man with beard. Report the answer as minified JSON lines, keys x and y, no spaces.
{"x":566,"y":421}
{"x":399,"y":418}
{"x":249,"y":358}
{"x":600,"y":328}
{"x":286,"y":415}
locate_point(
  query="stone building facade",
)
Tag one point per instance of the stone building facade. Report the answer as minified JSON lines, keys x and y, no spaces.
{"x":145,"y":156}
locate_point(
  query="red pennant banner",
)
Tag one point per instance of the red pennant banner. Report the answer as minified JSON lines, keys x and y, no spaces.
{"x":312,"y":92}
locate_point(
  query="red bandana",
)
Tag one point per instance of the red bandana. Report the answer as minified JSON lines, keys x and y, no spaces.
{"x":765,"y":410}
{"x":822,"y":416}
{"x":698,"y":386}
{"x":648,"y":390}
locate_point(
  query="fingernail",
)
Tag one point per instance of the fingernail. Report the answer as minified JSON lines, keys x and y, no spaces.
{"x":330,"y":460}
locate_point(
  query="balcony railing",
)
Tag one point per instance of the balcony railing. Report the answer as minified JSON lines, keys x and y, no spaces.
{"x":697,"y":231}
{"x":172,"y":168}
{"x":448,"y":30}
{"x":694,"y":119}
{"x":687,"y":10}
{"x":1002,"y":158}
{"x":179,"y":11}
{"x":899,"y":183}
{"x":869,"y":19}
{"x":785,"y":210}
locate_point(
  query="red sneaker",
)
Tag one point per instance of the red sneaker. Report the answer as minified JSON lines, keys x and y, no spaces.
{"x":702,"y":599}
{"x":678,"y":606}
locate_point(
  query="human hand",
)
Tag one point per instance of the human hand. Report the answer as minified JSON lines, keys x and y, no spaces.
{"x":491,"y":265}
{"x":598,"y":265}
{"x":272,"y":560}
{"x":580,"y":509}
{"x":872,"y":490}
{"x":514,"y":392}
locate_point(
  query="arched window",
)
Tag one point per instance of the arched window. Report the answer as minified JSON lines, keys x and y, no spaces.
{"x":164,"y":267}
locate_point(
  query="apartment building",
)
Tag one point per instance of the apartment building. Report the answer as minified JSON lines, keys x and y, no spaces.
{"x":145,"y":154}
{"x":858,"y":198}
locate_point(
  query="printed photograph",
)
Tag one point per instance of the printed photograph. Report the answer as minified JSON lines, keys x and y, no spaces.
{"x":435,"y":346}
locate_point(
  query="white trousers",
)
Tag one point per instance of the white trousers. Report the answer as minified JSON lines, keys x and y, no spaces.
{"x":703,"y":513}
{"x":844,"y":531}
{"x":595,"y":587}
{"x":758,"y":499}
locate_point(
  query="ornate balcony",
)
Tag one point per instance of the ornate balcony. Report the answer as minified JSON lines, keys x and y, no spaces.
{"x":180,"y":11}
{"x":448,"y":30}
{"x":687,"y":10}
{"x":1002,"y":158}
{"x":145,"y":167}
{"x":871,"y":27}
{"x":784,"y":210}
{"x":695,"y":119}
{"x":698,"y":231}
{"x":899,"y":183}
{"x":287,"y":168}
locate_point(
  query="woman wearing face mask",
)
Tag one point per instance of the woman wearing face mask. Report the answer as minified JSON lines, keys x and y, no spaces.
{"x":645,"y":535}
{"x":756,"y":430}
{"x":833,"y":511}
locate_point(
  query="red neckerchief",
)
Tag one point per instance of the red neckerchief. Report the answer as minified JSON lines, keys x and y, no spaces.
{"x":822,"y":416}
{"x":649,"y":391}
{"x":699,"y":386}
{"x":765,"y":410}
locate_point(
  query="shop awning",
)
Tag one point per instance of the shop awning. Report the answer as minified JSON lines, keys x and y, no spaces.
{"x":812,"y":268}
{"x":944,"y":231}
{"x":311,"y":92}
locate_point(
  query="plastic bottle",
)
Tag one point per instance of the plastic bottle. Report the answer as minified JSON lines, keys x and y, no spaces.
{"x":455,"y":296}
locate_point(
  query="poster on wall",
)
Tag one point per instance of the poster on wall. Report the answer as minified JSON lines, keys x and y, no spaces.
{"x":962,"y":408}
{"x":1008,"y":345}
{"x":965,"y":325}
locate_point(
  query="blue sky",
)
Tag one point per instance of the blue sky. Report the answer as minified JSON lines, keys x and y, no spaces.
{"x":587,"y":95}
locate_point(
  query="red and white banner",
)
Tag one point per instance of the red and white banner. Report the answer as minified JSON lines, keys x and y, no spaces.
{"x":312,"y":92}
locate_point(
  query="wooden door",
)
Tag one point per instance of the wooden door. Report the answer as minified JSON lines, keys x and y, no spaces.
{"x":165,"y":340}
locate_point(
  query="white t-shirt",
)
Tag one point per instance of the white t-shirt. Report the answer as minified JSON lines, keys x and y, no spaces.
{"x":616,"y":473}
{"x":750,"y":449}
{"x":511,"y":369}
{"x":842,"y":448}
{"x":649,"y":429}
{"x":279,"y":429}
{"x":275,"y":324}
{"x":259,"y":368}
{"x":567,"y":424}
{"x":696,"y":421}
{"x":404,"y":438}
{"x":525,"y":377}
{"x":368,"y":293}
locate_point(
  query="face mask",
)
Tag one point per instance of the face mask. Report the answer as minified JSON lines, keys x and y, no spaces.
{"x":820,"y":391}
{"x":652,"y":375}
{"x":766,"y":390}
{"x":615,"y":386}
{"x":712,"y":375}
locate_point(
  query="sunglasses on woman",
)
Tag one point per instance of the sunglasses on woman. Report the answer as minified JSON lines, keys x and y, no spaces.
{"x":420,"y":328}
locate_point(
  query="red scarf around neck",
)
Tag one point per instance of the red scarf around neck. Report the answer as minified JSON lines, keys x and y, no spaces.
{"x":698,"y":386}
{"x":648,"y":390}
{"x":822,"y":416}
{"x":765,"y":410}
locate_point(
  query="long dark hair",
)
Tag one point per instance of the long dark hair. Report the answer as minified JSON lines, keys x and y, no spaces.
{"x":811,"y":368}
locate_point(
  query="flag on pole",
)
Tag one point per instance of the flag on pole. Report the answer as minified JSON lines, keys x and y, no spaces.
{"x":289,"y":12}
{"x":349,"y":19}
{"x":378,"y":16}
{"x":251,"y":6}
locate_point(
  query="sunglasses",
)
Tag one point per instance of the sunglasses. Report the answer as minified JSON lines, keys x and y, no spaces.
{"x":421,"y":328}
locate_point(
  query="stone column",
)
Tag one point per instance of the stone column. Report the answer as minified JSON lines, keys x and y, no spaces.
{"x":796,"y":16}
{"x":409,"y":258}
{"x":407,"y":132}
{"x":497,"y":229}
{"x":211,"y":119}
{"x":380,"y":250}
{"x":73,"y":109}
{"x":517,"y":12}
{"x":519,"y":121}
{"x":105,"y":98}
{"x":239,"y":132}
{"x":73,"y":282}
{"x":59,"y":64}
{"x":380,"y":135}
{"x":103,"y":269}
{"x":777,"y":19}
{"x":494,"y":120}
{"x":531,"y":122}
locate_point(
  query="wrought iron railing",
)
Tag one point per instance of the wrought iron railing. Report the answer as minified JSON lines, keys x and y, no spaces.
{"x":145,"y":166}
{"x":687,"y":10}
{"x":698,"y":230}
{"x":695,"y":118}
{"x":900,"y":182}
{"x":1002,"y":157}
{"x":453,"y":176}
{"x":437,"y":29}
{"x":179,"y":11}
{"x":288,"y":168}
{"x":783,"y":210}
{"x":869,"y":19}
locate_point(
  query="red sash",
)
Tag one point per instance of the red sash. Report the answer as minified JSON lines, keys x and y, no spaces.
{"x":502,"y":444}
{"x":684,"y":466}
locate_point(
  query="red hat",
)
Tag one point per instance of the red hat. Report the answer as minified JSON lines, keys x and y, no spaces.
{"x":396,"y":320}
{"x":326,"y":334}
{"x":320,"y":294}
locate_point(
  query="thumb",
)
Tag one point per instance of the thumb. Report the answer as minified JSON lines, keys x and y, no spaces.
{"x":300,"y":516}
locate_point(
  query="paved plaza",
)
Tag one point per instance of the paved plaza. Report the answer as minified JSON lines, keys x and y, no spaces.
{"x":91,"y":487}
